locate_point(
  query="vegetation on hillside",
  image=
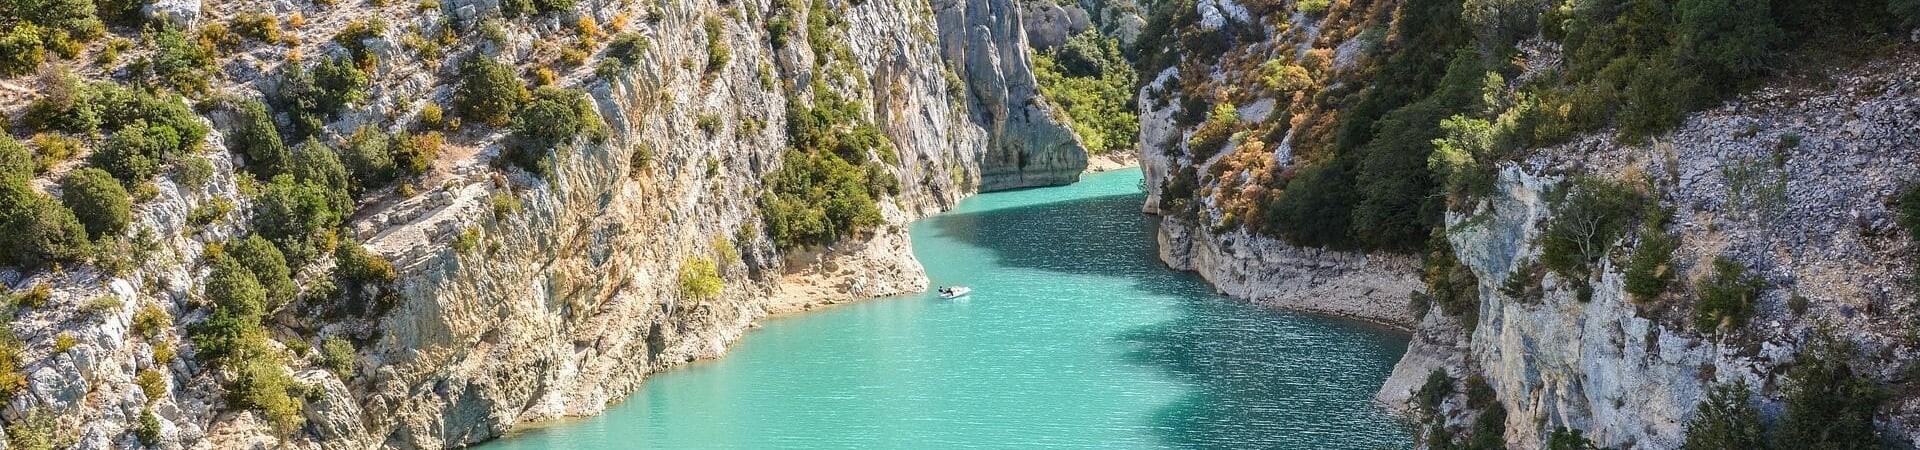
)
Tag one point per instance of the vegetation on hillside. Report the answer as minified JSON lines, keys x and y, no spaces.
{"x":1093,"y":83}
{"x":1444,"y":99}
{"x":838,"y":164}
{"x":1828,"y":406}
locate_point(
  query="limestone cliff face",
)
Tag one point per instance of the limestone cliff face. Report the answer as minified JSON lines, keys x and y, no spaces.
{"x":1795,"y":182}
{"x":1028,"y":141}
{"x":522,"y":299}
{"x":1816,"y":225}
{"x":1368,"y":286}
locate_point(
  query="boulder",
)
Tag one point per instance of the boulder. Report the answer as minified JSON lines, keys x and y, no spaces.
{"x":179,"y":13}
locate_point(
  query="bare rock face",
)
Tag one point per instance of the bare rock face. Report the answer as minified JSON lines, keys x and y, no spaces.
{"x":1266,"y":271}
{"x":1632,"y":373}
{"x":1029,"y":143}
{"x":182,"y":14}
{"x":1049,"y":24}
{"x":522,"y":299}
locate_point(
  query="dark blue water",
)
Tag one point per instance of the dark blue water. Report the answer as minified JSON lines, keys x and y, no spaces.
{"x":1076,"y":336}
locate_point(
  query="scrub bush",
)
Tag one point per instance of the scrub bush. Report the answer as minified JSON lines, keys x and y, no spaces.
{"x":489,"y":92}
{"x":97,"y":200}
{"x":299,"y":218}
{"x":1727,"y":298}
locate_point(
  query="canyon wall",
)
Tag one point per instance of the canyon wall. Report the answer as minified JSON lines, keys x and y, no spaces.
{"x":523,"y":298}
{"x":1797,"y":181}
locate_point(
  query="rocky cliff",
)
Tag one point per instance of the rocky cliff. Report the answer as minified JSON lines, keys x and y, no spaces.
{"x":521,"y":298}
{"x":1631,"y":372}
{"x":1797,"y":181}
{"x":1028,"y":143}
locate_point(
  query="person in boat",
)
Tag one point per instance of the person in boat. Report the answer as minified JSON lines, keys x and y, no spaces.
{"x":946,"y":290}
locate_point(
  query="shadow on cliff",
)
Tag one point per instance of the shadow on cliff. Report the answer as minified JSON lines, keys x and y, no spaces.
{"x":1259,"y":378}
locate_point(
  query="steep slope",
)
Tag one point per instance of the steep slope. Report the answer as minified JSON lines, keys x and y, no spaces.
{"x":518,"y":296}
{"x":1587,"y":237}
{"x":1814,"y":220}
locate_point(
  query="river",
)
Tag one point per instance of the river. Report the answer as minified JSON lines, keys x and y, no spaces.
{"x":1076,"y":336}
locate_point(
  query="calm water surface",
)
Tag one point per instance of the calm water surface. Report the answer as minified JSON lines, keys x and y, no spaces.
{"x":1076,"y":336}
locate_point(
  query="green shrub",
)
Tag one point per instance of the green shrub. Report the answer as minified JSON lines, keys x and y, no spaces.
{"x":315,"y":98}
{"x":36,"y":431}
{"x":717,"y":51}
{"x":15,"y":162}
{"x":97,"y":200}
{"x":40,"y":231}
{"x":414,"y":153}
{"x":624,"y":53}
{"x":66,"y":105}
{"x":20,"y":50}
{"x":1726,"y":419}
{"x":1090,"y":81}
{"x":553,"y":118}
{"x":1213,"y":134}
{"x":148,"y":432}
{"x":254,"y":135}
{"x":337,"y":355}
{"x":547,"y":6}
{"x":1586,"y":224}
{"x":51,"y":149}
{"x":1727,"y":297}
{"x":368,"y":158}
{"x":700,"y":279}
{"x":180,"y":63}
{"x":489,"y":92}
{"x":1908,"y":214}
{"x":74,"y":16}
{"x":1316,"y":208}
{"x":238,"y":304}
{"x":150,"y":321}
{"x":231,"y":287}
{"x":64,"y":342}
{"x":363,"y":280}
{"x":206,"y":213}
{"x":1906,"y":11}
{"x":1439,"y":385}
{"x":1828,"y":404}
{"x":264,"y":385}
{"x":1731,"y":38}
{"x":354,"y":38}
{"x":467,"y":240}
{"x":135,"y":154}
{"x":341,"y":83}
{"x":1281,"y":75}
{"x":257,"y":26}
{"x":12,"y":359}
{"x":317,"y":164}
{"x":357,"y":267}
{"x":816,"y":199}
{"x":72,"y":107}
{"x":1650,"y":271}
{"x":297,"y":217}
{"x":1462,"y":159}
{"x":1563,"y":438}
{"x":1312,"y":7}
{"x":268,"y":266}
{"x":152,"y":384}
{"x":1452,"y":285}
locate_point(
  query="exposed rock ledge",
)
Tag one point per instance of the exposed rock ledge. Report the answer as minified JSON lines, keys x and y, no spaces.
{"x":1266,"y":271}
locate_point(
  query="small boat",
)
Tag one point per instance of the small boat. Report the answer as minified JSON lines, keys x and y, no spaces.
{"x":953,"y":292}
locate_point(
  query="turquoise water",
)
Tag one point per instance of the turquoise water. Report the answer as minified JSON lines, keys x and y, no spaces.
{"x":1076,"y":336}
